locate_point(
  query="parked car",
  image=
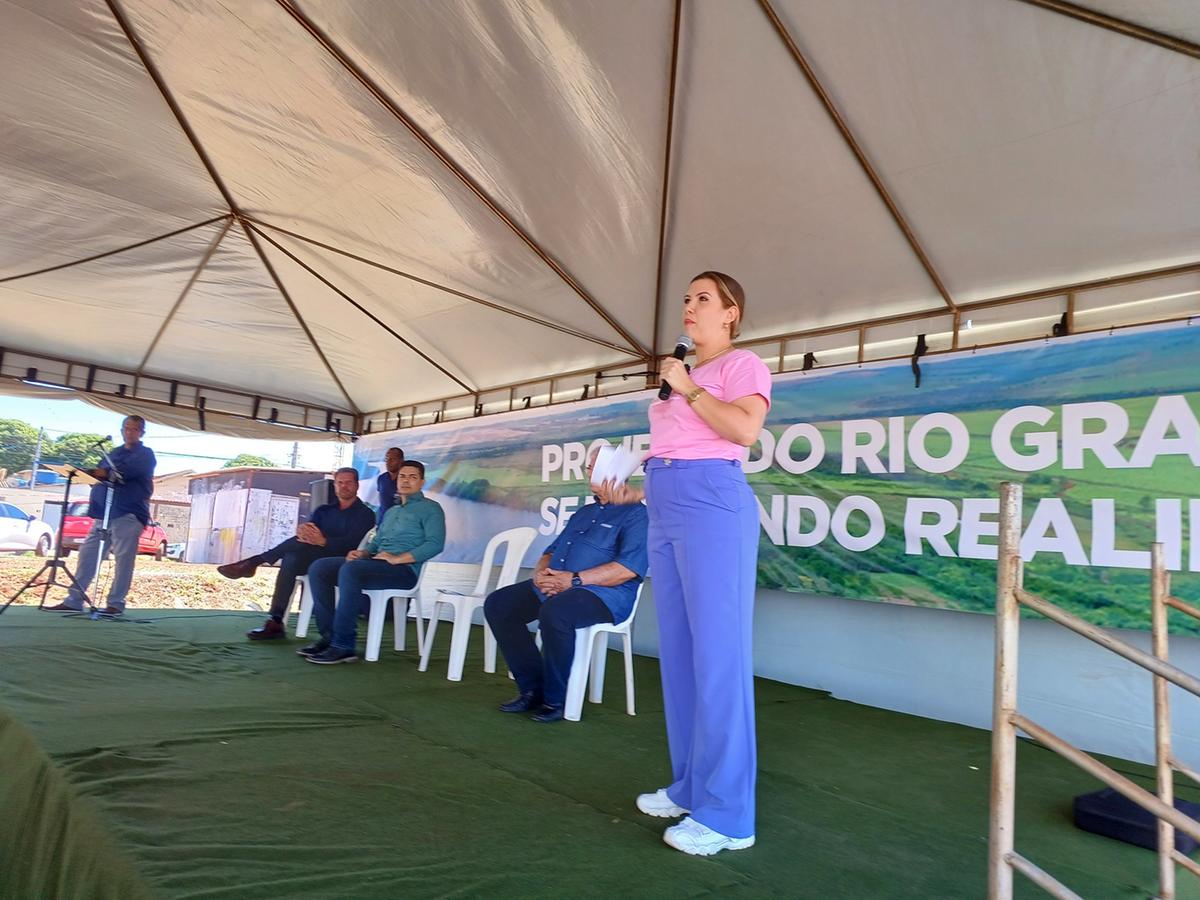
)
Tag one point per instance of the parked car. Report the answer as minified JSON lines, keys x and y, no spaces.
{"x":152,"y":540}
{"x":22,"y":531}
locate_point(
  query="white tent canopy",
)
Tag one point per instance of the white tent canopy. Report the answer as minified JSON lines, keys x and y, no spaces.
{"x":309,"y":212}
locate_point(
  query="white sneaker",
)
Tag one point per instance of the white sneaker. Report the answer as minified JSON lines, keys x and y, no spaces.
{"x":691,"y":837}
{"x":660,"y":805}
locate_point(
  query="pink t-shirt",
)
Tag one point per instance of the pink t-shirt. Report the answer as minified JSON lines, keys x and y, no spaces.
{"x":678,"y":432}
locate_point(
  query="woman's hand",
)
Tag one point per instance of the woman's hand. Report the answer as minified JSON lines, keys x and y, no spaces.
{"x":675,"y":373}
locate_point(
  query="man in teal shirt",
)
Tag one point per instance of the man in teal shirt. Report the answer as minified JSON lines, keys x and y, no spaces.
{"x":412,"y":531}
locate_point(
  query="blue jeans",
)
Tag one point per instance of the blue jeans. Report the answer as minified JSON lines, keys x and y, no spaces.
{"x":703,"y":541}
{"x":123,"y":545}
{"x":351,"y":578}
{"x":510,"y":609}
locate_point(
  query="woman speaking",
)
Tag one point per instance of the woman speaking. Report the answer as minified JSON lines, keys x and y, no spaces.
{"x":703,"y":544}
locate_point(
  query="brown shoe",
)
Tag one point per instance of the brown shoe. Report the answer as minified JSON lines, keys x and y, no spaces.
{"x":111,"y":612}
{"x":241,"y":569}
{"x":62,"y":607}
{"x":269,"y":630}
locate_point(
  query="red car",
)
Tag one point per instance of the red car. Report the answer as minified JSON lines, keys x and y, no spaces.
{"x":78,"y":523}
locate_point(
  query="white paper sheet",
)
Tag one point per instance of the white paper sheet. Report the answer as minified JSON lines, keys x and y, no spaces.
{"x":614,"y":464}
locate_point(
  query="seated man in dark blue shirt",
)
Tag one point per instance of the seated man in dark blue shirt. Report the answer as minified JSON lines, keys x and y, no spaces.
{"x":134,"y":464}
{"x":589,"y":574}
{"x":334,"y":530}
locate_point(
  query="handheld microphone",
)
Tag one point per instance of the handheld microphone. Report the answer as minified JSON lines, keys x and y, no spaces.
{"x":683,"y":344}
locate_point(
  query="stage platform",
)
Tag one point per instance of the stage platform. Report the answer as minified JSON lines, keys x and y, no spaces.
{"x":167,"y":756}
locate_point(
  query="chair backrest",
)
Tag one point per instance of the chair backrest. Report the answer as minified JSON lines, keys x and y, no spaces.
{"x":637,"y":598}
{"x":518,"y":540}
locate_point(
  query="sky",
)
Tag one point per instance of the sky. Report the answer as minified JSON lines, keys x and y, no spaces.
{"x":176,"y":450}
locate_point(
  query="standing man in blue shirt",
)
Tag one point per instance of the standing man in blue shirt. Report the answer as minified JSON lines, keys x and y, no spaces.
{"x":334,"y":530}
{"x":413,"y":531}
{"x":386,"y":483}
{"x":134,"y":463}
{"x":589,"y":574}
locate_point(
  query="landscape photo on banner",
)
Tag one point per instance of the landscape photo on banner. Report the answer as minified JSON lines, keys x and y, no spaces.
{"x":872,"y":488}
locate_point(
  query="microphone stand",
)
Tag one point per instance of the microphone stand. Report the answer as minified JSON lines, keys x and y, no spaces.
{"x":105,"y":533}
{"x":55,"y":564}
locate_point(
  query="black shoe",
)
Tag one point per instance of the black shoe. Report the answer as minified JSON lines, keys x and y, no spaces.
{"x":268,"y":631}
{"x":549,"y":714}
{"x":523,"y":703}
{"x":314,"y":649}
{"x":332,"y":656}
{"x":62,"y":607}
{"x":243,"y":568}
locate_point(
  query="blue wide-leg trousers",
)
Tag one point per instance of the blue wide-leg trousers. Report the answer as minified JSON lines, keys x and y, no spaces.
{"x":703,"y":543}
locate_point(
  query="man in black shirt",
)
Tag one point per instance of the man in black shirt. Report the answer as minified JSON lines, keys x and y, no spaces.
{"x":334,"y":530}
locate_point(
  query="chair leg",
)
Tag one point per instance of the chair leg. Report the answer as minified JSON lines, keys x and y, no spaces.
{"x":578,"y":677}
{"x":306,"y":608}
{"x":599,"y":662}
{"x":375,"y":626}
{"x":489,"y":649}
{"x":459,"y":638}
{"x":627,"y":638}
{"x":416,"y":606}
{"x":427,"y":646}
{"x":399,"y":622}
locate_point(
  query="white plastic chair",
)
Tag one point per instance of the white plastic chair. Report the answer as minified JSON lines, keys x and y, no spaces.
{"x":400,"y":598}
{"x":304,"y":616}
{"x":591,"y":654}
{"x":306,"y":600}
{"x":464,"y":605}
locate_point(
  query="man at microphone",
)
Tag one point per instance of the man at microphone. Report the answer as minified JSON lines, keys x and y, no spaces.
{"x":132,"y":481}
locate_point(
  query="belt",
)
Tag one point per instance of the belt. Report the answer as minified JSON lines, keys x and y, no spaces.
{"x":658,"y":462}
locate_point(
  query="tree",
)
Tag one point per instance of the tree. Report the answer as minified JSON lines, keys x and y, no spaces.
{"x":17,"y":442}
{"x":248,"y":459}
{"x":75,"y":448}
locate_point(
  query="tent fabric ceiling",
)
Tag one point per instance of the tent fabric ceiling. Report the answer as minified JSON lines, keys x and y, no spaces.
{"x":387,"y":203}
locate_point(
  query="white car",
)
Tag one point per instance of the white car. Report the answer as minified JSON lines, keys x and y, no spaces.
{"x":22,"y":531}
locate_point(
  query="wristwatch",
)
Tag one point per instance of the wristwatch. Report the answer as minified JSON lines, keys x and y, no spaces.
{"x":695,"y":395}
{"x":576,"y":581}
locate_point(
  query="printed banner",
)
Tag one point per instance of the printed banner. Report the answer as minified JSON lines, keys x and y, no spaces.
{"x":872,"y":488}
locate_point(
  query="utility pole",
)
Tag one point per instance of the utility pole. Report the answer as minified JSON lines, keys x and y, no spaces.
{"x":37,"y":458}
{"x":295,"y":453}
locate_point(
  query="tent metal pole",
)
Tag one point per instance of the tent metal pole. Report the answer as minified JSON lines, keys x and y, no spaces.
{"x":468,"y":182}
{"x":652,"y":359}
{"x":562,"y":329}
{"x":125,"y":249}
{"x":208,"y":255}
{"x":155,"y":74}
{"x":366,"y":312}
{"x":253,"y":238}
{"x":1120,"y":26}
{"x":859,"y":153}
{"x":153,"y":71}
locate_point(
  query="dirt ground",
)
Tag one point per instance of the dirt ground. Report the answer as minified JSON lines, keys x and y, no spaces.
{"x":156,"y":585}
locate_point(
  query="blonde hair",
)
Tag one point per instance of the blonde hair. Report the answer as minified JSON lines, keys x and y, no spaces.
{"x":731,"y":294}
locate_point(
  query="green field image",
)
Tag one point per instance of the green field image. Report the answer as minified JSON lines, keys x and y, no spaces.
{"x":1105,"y":596}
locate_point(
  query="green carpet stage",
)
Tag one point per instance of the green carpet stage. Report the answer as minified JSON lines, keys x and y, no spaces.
{"x":170,"y":757}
